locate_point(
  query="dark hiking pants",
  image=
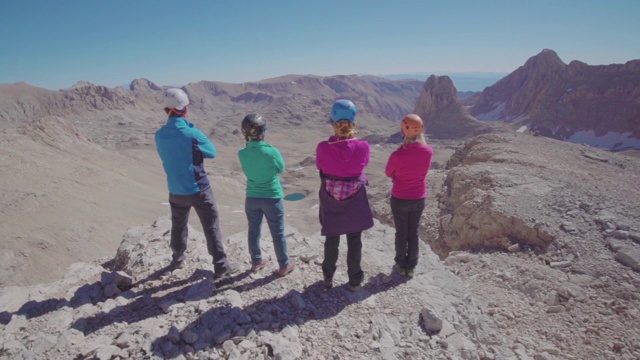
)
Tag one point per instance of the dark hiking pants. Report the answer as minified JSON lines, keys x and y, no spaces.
{"x":354,"y":255}
{"x":205,"y":205}
{"x":406,"y":216}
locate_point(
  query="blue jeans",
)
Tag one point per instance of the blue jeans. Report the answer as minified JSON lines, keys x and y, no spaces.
{"x":273,"y":210}
{"x":406,"y":216}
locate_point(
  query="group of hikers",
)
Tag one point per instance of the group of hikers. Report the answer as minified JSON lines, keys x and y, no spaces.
{"x":344,"y":207}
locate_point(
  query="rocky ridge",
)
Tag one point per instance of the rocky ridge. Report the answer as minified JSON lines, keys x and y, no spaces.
{"x":444,"y":117}
{"x":289,"y":101}
{"x":570,"y":292}
{"x":139,"y":308}
{"x":549,"y":241}
{"x":581,"y":103}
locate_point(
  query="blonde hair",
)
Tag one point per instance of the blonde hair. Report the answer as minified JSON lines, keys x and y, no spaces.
{"x":412,"y":139}
{"x":344,"y":128}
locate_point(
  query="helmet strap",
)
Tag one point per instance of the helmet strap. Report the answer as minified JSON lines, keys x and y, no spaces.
{"x":173,"y":112}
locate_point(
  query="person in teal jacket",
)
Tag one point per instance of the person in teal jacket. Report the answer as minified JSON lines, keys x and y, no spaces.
{"x":261,"y":164}
{"x":182,"y":149}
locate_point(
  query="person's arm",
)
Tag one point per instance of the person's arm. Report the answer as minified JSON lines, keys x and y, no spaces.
{"x":319,"y":157}
{"x":428,"y":158}
{"x":390,"y":169}
{"x":367,"y":153}
{"x":205,"y":145}
{"x":278,"y":160}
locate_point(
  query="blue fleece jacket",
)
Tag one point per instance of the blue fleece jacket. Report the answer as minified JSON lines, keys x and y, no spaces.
{"x":182,"y":149}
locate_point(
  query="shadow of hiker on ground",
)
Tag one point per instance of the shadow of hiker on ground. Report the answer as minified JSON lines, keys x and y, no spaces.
{"x":85,"y":294}
{"x":222,"y":323}
{"x":196,"y":287}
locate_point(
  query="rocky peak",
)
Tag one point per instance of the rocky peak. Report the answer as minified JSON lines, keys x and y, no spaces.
{"x":81,"y":84}
{"x":143,"y":85}
{"x":546,"y":59}
{"x":438,"y":93}
{"x":596,"y":105}
{"x":444,"y":117}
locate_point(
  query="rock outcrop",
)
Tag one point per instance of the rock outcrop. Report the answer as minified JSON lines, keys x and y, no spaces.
{"x":596,"y":105}
{"x":500,"y":191}
{"x":135,"y":307}
{"x":444,"y":117}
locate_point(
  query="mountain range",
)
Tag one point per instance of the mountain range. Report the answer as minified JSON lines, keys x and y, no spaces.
{"x":595,"y":105}
{"x":530,"y":245}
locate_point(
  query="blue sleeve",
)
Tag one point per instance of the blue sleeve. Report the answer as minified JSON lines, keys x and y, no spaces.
{"x":205,"y":145}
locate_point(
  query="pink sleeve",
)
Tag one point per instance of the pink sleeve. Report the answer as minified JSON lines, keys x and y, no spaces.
{"x":367,"y":153}
{"x":390,"y":168}
{"x":319,"y":156}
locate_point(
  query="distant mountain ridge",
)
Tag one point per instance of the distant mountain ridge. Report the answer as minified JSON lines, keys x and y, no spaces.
{"x":596,"y":105}
{"x":464,"y":81}
{"x":445,"y":117}
{"x":291,"y":100}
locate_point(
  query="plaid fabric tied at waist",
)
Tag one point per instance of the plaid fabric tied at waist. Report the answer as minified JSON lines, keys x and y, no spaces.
{"x":342,"y":189}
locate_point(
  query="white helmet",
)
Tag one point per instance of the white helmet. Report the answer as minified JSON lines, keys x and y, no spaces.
{"x":175,"y":98}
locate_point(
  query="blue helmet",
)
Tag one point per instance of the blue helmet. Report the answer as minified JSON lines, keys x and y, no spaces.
{"x":343,"y":110}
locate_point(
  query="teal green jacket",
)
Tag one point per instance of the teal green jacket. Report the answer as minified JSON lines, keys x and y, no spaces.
{"x":261,"y":164}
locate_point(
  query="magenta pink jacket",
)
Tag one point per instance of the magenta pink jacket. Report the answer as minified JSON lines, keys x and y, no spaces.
{"x":408,"y":167}
{"x":346,"y":158}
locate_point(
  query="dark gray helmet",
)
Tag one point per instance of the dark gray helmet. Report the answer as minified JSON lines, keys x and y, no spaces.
{"x":253,"y":126}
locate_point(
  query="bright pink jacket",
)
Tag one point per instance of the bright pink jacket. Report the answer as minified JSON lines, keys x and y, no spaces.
{"x":346,"y":158}
{"x":408,"y":167}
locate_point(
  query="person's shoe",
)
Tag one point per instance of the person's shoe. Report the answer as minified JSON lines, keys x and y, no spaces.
{"x":283,"y":271}
{"x":410,"y":273}
{"x":328,"y":282}
{"x":226,"y":272}
{"x":177,"y":263}
{"x":259,"y":266}
{"x":400,"y":270}
{"x":354,"y":288}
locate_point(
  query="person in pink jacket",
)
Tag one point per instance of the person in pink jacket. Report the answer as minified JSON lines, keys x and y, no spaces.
{"x":344,"y":207}
{"x":408,"y":167}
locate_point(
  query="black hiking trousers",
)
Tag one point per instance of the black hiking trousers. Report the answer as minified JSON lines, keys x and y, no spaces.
{"x":354,"y":255}
{"x":406,"y":216}
{"x":205,"y":205}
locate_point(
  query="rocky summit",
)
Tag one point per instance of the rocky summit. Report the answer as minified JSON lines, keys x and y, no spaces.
{"x":535,"y":256}
{"x":595,"y":105}
{"x":134,"y":306}
{"x":445,"y":117}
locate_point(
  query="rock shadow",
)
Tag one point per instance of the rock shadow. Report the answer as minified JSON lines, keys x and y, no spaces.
{"x":222,"y":323}
{"x":196,"y":287}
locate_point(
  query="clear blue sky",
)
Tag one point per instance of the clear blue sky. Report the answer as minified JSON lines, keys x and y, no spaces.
{"x":55,"y":43}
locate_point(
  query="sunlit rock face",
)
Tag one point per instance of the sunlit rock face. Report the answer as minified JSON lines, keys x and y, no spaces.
{"x":444,"y":117}
{"x":595,"y":105}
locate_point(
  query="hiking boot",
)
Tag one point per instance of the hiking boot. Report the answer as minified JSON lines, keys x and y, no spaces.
{"x":328,"y":282}
{"x":177,"y":263}
{"x":410,"y":273}
{"x":226,"y":272}
{"x":259,"y":266}
{"x":400,"y":270}
{"x":283,"y":271}
{"x":354,"y":288}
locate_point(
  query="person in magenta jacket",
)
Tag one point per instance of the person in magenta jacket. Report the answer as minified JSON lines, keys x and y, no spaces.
{"x":344,"y":208}
{"x":408,"y":167}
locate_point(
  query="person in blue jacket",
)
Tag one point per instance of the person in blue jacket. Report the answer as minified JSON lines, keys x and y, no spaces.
{"x":182,"y":149}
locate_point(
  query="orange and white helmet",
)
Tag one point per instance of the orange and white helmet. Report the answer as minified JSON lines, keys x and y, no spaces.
{"x":411,"y":125}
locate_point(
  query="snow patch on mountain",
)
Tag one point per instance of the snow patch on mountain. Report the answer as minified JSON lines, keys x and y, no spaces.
{"x":494,"y":114}
{"x":610,"y":140}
